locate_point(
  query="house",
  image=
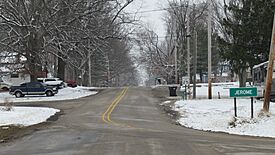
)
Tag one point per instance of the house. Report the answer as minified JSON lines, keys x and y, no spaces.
{"x":12,"y":70}
{"x":16,"y":78}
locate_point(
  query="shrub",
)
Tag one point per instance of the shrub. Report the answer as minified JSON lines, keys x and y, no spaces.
{"x":8,"y":105}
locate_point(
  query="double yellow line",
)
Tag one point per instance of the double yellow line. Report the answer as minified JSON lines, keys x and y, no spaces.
{"x":106,"y":116}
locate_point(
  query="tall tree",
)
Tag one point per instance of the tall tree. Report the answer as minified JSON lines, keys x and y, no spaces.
{"x":68,"y":31}
{"x":160,"y":55}
{"x":248,"y":26}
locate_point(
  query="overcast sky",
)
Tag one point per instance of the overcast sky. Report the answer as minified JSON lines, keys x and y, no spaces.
{"x":155,"y":18}
{"x":152,"y":19}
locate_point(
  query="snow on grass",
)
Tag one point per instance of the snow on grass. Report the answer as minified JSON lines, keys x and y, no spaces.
{"x":217,"y":114}
{"x":63,"y":94}
{"x":221,"y":89}
{"x":25,"y":116}
{"x":165,"y":102}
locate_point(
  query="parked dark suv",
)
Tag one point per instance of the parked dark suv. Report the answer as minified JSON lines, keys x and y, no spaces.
{"x":32,"y":88}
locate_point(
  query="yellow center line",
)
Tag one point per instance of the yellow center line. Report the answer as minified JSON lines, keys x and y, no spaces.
{"x":106,"y":115}
{"x":113,"y":107}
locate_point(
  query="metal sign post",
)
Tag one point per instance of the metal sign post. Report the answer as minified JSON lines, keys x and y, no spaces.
{"x":185,"y":83}
{"x":243,"y":92}
{"x":251,"y":107}
{"x":235,"y":107}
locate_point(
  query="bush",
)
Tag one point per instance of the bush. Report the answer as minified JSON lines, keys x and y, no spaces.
{"x":8,"y":105}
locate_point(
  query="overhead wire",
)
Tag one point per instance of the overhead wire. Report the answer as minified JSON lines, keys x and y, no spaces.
{"x":154,"y":10}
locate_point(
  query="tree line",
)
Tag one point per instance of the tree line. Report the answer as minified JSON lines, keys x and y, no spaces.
{"x":90,"y":40}
{"x":241,"y":33}
{"x":247,"y":33}
{"x":84,"y":40}
{"x":159,"y":53}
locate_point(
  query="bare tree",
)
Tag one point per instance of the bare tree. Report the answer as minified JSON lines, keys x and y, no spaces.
{"x":56,"y":34}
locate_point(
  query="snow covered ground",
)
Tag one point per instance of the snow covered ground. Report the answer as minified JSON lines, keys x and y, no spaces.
{"x":217,"y":115}
{"x":63,"y":94}
{"x":221,"y":89}
{"x":25,"y":116}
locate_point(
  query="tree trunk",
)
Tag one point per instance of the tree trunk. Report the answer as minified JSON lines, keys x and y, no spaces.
{"x":201,"y":75}
{"x":242,"y":77}
{"x":33,"y":68}
{"x":33,"y":72}
{"x":61,"y":69}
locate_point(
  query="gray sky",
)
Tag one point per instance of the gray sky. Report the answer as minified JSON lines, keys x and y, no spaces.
{"x":152,"y":19}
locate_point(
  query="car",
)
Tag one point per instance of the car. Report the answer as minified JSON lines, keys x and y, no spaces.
{"x":32,"y":88}
{"x":71,"y":83}
{"x":4,"y":85}
{"x":55,"y":82}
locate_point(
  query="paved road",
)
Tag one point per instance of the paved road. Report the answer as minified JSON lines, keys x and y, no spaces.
{"x":126,"y":121}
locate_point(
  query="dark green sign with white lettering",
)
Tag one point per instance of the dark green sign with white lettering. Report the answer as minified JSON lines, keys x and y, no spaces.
{"x":243,"y":92}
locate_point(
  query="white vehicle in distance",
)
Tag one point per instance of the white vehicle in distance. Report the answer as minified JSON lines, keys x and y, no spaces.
{"x":56,"y":82}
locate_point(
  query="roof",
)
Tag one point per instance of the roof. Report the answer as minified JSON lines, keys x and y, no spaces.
{"x":261,"y":64}
{"x":11,"y":62}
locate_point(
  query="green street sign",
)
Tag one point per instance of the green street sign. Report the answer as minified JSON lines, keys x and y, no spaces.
{"x":243,"y":92}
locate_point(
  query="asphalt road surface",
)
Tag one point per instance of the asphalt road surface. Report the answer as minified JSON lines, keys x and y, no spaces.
{"x":126,"y":122}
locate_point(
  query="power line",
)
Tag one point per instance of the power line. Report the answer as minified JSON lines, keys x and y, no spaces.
{"x":145,"y":37}
{"x":155,"y":10}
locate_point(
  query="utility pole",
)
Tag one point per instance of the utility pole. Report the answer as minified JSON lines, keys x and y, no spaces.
{"x":209,"y":50}
{"x":188,"y":47}
{"x":269,"y":71}
{"x":90,"y":70}
{"x":90,"y":66}
{"x":108,"y":72}
{"x":176,"y":62}
{"x":89,"y":58}
{"x":195,"y":64}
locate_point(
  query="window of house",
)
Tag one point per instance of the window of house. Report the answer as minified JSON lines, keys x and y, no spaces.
{"x":14,"y":75}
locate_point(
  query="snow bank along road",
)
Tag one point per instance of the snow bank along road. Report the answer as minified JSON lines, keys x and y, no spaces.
{"x":26,"y":116}
{"x":126,"y":121}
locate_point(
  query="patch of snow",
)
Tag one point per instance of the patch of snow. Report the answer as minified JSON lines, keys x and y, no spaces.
{"x":218,"y":89}
{"x":217,"y":114}
{"x":86,"y":88}
{"x":63,"y":94}
{"x":25,"y":116}
{"x":165,"y":102}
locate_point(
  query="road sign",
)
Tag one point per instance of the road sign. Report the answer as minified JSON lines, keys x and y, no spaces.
{"x":243,"y":92}
{"x":185,"y":80}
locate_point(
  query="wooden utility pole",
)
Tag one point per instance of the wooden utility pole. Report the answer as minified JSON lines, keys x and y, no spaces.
{"x":90,"y":70}
{"x":90,"y":66}
{"x":176,"y":63}
{"x":195,"y":64}
{"x":269,"y":71}
{"x":188,"y":47}
{"x":209,"y":50}
{"x":108,"y":72}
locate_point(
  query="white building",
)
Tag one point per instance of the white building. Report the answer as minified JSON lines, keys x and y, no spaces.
{"x":16,"y":78}
{"x":12,"y":71}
